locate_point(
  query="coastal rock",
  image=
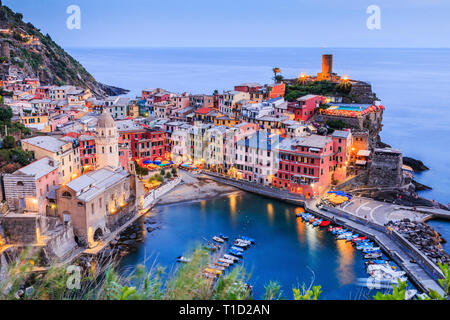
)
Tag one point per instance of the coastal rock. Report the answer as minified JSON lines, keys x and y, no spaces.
{"x":416,"y":165}
{"x":420,"y":187}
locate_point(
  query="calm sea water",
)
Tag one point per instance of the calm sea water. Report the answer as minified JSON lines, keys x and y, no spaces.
{"x":287,"y":250}
{"x":412,"y":83}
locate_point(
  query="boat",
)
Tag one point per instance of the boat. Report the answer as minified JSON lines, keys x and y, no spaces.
{"x":375,"y":255}
{"x":339,"y":231}
{"x":317,"y":222}
{"x":213,"y":271}
{"x":237,"y":249}
{"x":247,"y":239}
{"x":377,"y":262}
{"x":365,"y":245}
{"x":385,"y":276}
{"x":183,"y":259}
{"x":224,"y":260}
{"x":410,"y":294}
{"x":230,"y":257}
{"x":324,"y":223}
{"x":222,"y":264}
{"x":344,"y":235}
{"x":371,"y":250}
{"x":218,"y":239}
{"x":210,"y":247}
{"x":386,"y":268}
{"x":236,"y":253}
{"x":331,"y":229}
{"x":350,"y":237}
{"x":242,"y":245}
{"x":360,"y":239}
{"x":216,"y":267}
{"x":224,"y":237}
{"x":248,"y":243}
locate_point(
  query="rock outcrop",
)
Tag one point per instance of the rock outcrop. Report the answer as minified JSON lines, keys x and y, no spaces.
{"x":34,"y":55}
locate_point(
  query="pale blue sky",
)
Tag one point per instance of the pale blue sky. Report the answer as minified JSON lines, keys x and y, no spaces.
{"x":249,"y":23}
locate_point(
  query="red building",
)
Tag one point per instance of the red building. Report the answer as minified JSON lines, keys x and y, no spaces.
{"x":305,"y":165}
{"x":148,"y":145}
{"x":43,"y":92}
{"x":275,"y":90}
{"x":248,"y":87}
{"x":306,"y":106}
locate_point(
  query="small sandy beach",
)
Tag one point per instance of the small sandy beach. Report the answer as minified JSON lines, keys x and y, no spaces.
{"x":196,"y":188}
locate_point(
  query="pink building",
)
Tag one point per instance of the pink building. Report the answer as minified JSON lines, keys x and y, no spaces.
{"x":306,"y":106}
{"x":58,"y":120}
{"x":26,"y":190}
{"x":250,"y":87}
{"x":342,"y":144}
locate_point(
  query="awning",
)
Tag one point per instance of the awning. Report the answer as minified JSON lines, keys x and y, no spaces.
{"x":361,"y":162}
{"x":363,"y":153}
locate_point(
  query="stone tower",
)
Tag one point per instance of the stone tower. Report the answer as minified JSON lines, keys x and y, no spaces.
{"x":107,"y":142}
{"x":327,"y":68}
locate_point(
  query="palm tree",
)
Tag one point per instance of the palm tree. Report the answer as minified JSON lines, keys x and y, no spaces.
{"x":276,"y":71}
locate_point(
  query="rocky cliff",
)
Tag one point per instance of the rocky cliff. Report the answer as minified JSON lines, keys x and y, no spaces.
{"x":26,"y":52}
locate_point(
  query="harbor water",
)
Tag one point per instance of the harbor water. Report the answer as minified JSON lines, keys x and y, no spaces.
{"x":287,"y":249}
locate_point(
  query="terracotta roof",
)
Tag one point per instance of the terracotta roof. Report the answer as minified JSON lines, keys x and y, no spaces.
{"x":203,"y":110}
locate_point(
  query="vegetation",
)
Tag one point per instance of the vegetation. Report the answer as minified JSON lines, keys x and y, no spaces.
{"x":276,"y":77}
{"x":168,"y":175}
{"x":140,"y":171}
{"x":302,"y":88}
{"x":156,"y":178}
{"x":174,"y":172}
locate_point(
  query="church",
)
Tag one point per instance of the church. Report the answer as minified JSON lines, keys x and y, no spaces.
{"x":98,"y":202}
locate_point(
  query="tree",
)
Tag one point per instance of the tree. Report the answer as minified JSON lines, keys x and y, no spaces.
{"x":162,"y":172}
{"x":276,"y":71}
{"x":174,"y":171}
{"x":279,"y":78}
{"x":9,"y":142}
{"x":6,"y":114}
{"x":168,"y":175}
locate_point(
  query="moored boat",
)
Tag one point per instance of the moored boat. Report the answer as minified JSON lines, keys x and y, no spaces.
{"x":218,"y":239}
{"x":230,"y":257}
{"x":373,"y":255}
{"x":237,"y":249}
{"x":183,"y":259}
{"x":324,"y":223}
{"x":236,"y":253}
{"x":251,"y":240}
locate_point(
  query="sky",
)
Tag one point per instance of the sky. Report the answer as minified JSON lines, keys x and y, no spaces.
{"x":241,"y":23}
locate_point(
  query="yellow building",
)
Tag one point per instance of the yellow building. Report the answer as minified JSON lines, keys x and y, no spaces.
{"x":59,"y":150}
{"x":40,"y":123}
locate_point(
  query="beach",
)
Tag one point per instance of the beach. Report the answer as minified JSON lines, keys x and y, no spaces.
{"x":196,"y":188}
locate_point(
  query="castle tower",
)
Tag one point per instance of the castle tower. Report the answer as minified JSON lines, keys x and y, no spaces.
{"x":327,"y":68}
{"x":107,"y":142}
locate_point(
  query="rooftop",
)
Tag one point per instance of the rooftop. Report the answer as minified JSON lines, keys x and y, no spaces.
{"x":49,"y":143}
{"x":39,"y":168}
{"x":90,"y":185}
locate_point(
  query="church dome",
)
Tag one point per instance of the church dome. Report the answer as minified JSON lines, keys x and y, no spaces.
{"x":105,"y":120}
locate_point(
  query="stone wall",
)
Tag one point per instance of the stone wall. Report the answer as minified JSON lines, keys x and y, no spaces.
{"x":20,"y":230}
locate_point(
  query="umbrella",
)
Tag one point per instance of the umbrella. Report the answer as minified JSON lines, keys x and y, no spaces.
{"x":157,"y":162}
{"x":147,"y":162}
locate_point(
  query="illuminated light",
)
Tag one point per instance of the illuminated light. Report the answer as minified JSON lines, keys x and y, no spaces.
{"x":34,"y":200}
{"x":344,"y":78}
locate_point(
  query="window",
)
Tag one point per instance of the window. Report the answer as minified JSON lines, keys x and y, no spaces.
{"x":67,"y":195}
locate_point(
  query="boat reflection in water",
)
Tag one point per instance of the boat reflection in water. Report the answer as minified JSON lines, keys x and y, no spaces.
{"x":346,"y":259}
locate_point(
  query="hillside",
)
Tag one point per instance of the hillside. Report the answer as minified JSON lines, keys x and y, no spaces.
{"x":26,"y":52}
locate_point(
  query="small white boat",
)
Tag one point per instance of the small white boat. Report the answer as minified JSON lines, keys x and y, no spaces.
{"x":218,"y":239}
{"x":383,"y":276}
{"x":230,"y":257}
{"x":224,"y":260}
{"x":248,"y":243}
{"x":344,"y":235}
{"x":241,"y":244}
{"x":386,"y":269}
{"x":183,"y":259}
{"x":410,"y":294}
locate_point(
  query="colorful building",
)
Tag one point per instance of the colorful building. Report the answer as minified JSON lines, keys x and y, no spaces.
{"x":305,"y":165}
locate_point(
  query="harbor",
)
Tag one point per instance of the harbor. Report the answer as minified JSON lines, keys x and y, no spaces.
{"x":422,"y":272}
